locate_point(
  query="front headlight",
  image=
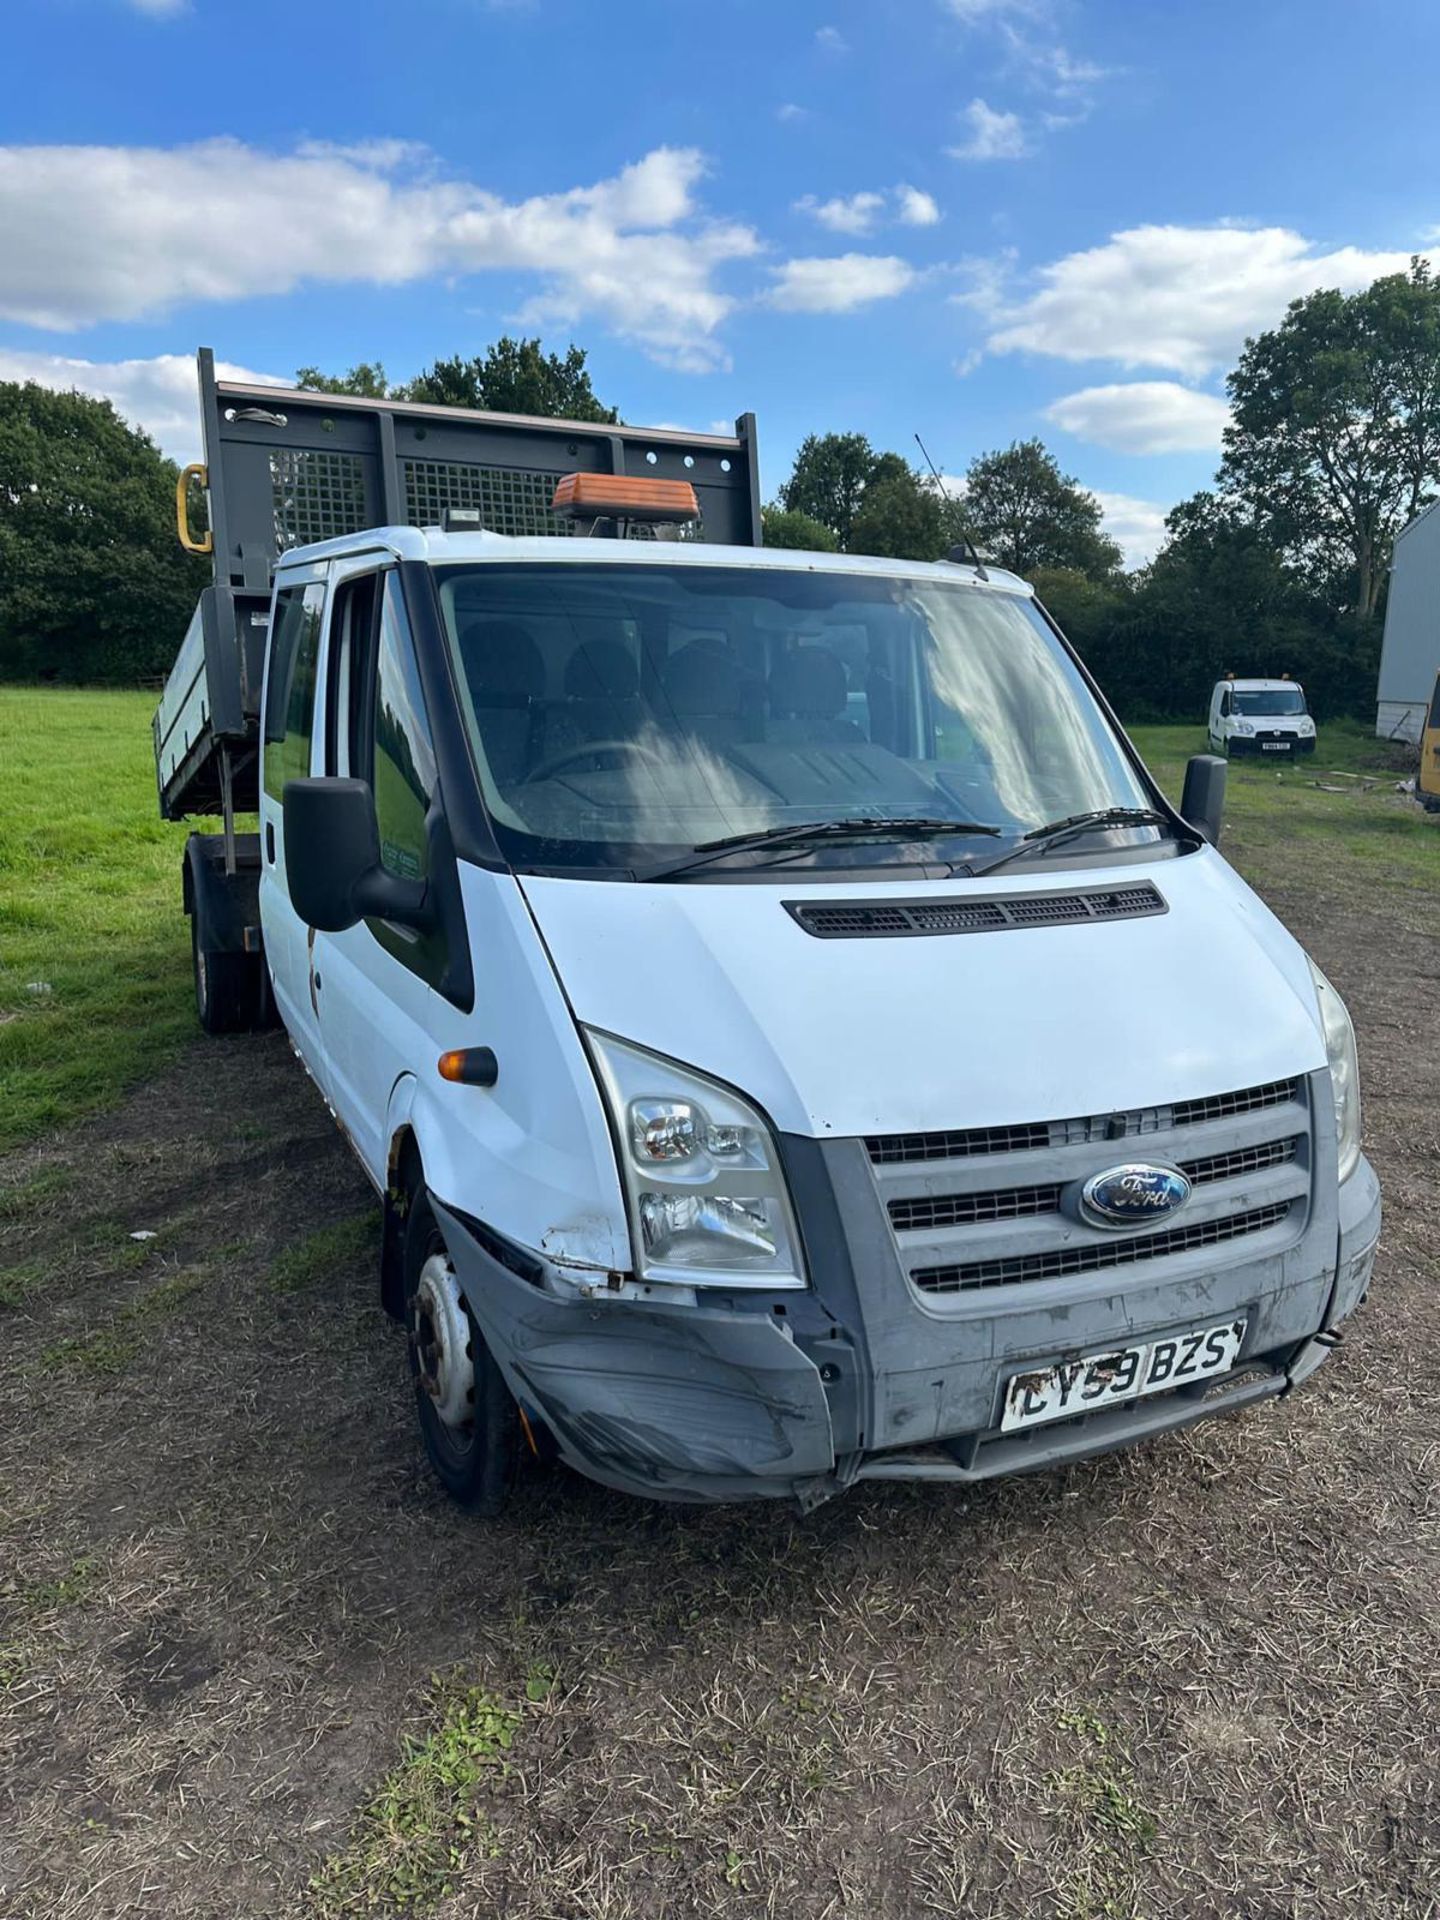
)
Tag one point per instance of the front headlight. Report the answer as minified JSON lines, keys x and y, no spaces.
{"x":1344,"y":1071}
{"x":706,"y":1196}
{"x":1244,"y":726}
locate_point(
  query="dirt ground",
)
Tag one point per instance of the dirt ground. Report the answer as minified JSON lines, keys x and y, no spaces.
{"x":251,"y":1663}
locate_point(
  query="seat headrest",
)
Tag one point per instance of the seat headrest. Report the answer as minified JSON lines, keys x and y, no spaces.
{"x":601,"y":670}
{"x":809,"y":683}
{"x":701,"y":682}
{"x":500,"y":657}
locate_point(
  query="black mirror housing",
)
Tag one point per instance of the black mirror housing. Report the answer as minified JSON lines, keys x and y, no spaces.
{"x":332,"y":859}
{"x":1203,"y":801}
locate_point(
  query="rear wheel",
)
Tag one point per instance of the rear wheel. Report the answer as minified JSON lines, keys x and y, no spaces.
{"x":224,"y":985}
{"x":467,"y":1418}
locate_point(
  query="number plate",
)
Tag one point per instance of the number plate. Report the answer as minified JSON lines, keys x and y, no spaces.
{"x":1274,"y":746}
{"x":1125,"y":1373}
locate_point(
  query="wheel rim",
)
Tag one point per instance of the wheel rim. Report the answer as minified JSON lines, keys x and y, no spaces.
{"x":443,"y":1335}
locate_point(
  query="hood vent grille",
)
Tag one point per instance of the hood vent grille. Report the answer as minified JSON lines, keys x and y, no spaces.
{"x":891,"y":919}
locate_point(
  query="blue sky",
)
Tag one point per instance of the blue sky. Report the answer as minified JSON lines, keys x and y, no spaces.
{"x":984,"y":219}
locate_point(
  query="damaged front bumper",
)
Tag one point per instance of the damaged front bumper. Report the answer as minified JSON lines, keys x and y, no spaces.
{"x":755,"y":1398}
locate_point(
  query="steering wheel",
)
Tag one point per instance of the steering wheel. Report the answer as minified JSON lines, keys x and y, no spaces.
{"x":588,"y":750}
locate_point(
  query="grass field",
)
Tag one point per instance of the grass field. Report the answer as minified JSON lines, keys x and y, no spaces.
{"x":252,"y":1662}
{"x":94,"y":951}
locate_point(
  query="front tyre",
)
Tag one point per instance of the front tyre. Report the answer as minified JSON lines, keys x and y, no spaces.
{"x":467,"y":1417}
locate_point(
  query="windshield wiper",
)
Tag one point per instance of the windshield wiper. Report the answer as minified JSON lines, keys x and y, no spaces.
{"x":857,"y":829}
{"x":1039,"y":839}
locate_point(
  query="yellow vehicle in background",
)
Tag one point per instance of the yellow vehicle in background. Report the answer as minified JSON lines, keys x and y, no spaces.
{"x":1427,"y":781}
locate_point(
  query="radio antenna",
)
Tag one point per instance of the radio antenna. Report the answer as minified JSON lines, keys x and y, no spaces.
{"x":967,"y":552}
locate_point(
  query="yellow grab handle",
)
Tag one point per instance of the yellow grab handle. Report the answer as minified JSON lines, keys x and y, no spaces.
{"x":199,"y":471}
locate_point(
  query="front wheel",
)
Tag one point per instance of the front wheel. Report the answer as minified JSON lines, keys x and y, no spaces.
{"x":467,"y":1418}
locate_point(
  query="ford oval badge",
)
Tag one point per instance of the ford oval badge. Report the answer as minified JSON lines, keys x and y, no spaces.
{"x":1132,"y":1196}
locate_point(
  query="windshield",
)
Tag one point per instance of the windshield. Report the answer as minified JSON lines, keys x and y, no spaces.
{"x":625,"y":711}
{"x":1269,"y":702}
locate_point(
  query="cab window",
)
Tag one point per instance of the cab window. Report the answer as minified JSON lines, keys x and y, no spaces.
{"x":290,"y":690}
{"x":404,"y":757}
{"x":1435,"y":707}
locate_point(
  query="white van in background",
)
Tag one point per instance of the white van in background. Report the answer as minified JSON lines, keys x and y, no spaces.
{"x":1260,"y":716}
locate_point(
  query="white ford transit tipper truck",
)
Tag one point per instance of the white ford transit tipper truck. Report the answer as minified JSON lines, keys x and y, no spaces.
{"x":795,"y":1040}
{"x":1259,"y":716}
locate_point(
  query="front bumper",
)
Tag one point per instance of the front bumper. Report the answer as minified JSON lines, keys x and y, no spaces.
{"x":1277,"y":747}
{"x":756,"y":1398}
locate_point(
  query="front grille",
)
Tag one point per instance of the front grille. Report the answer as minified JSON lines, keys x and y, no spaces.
{"x":888,"y":919}
{"x":1061,"y":1262}
{"x":1223,"y":1106}
{"x":1026,"y":1203}
{"x":964,"y":1142}
{"x":1229,"y":1166}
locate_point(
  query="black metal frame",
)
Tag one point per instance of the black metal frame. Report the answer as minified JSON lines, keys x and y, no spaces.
{"x":246,"y":426}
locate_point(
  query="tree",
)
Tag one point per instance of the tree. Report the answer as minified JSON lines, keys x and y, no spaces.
{"x":1023,"y":513}
{"x":94,"y":584}
{"x":513,"y":376}
{"x":828,"y":480}
{"x":783,"y":528}
{"x":899,"y":516}
{"x":1334,"y":441}
{"x":368,"y":379}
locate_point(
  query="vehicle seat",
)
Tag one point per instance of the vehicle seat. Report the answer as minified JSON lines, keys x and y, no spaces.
{"x":602,"y":696}
{"x":808,"y":692}
{"x":506,"y":676}
{"x":704,"y":693}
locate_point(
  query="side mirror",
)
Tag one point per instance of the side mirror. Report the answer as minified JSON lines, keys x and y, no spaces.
{"x":1202,"y":803}
{"x":332,"y":859}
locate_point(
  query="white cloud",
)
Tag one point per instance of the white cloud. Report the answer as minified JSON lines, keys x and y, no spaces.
{"x":789,"y":111}
{"x":973,"y":12}
{"x":90,"y":234}
{"x":831,"y":40}
{"x":1055,"y":69}
{"x":1025,"y":31}
{"x":1143,"y":416}
{"x":994,"y":135}
{"x":1137,"y":526}
{"x":862,"y":212}
{"x":917,"y":208}
{"x":841,"y":284}
{"x":159,"y":395}
{"x":1181,"y":298}
{"x":161,"y":9}
{"x":856,"y":213}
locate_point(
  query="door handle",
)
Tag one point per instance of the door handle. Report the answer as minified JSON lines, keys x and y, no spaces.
{"x":270,"y":841}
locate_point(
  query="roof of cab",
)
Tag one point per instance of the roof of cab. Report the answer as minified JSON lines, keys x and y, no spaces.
{"x":1259,"y":686}
{"x":431,"y":545}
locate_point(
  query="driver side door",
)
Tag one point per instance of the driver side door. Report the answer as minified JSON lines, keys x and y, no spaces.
{"x":377,"y":978}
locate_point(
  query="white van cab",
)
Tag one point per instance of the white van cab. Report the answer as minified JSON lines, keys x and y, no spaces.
{"x":780,"y":1088}
{"x":1260,"y":716}
{"x":795,"y":1040}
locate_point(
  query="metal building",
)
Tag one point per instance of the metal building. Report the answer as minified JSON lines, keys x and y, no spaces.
{"x":1410,"y":655}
